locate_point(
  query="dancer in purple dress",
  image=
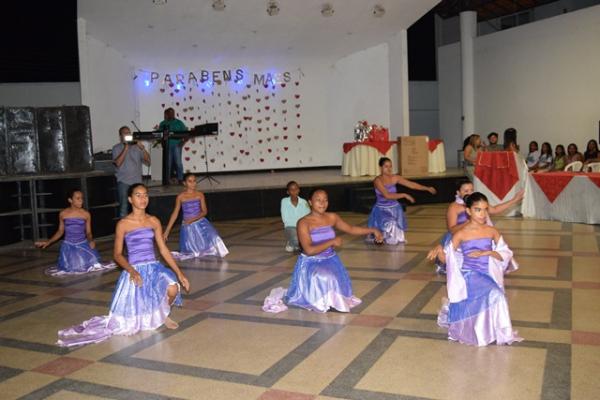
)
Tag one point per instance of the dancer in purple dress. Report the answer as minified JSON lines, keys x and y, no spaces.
{"x":145,"y":291}
{"x":319,"y":282}
{"x":197,"y":237}
{"x":387,"y":214}
{"x":456,"y":218}
{"x":77,"y":254}
{"x":476,"y":312}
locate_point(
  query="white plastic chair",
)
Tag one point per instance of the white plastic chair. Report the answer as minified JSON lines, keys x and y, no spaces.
{"x":575,"y":166}
{"x":593,"y":167}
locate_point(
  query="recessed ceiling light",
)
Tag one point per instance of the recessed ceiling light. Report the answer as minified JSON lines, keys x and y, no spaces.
{"x":327,"y":10}
{"x":272,"y":8}
{"x":378,"y":10}
{"x":159,"y":2}
{"x":218,"y":5}
{"x":150,"y":26}
{"x":195,"y":46}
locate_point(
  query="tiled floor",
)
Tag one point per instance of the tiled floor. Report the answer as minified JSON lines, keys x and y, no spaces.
{"x":387,"y":348}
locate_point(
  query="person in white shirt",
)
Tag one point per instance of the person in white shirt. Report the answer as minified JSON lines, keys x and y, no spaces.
{"x":534,"y":155}
{"x":292,"y":209}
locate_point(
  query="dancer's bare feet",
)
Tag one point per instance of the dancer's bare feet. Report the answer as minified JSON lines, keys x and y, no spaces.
{"x":170,"y":324}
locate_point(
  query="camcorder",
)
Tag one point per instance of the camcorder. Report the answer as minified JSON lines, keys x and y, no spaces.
{"x":129,"y":139}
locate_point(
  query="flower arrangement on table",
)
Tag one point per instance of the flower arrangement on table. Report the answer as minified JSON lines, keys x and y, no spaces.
{"x":363,"y":132}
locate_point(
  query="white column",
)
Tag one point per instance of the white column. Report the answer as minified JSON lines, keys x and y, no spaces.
{"x":398,"y":82}
{"x":468,"y":33}
{"x":83,"y":59}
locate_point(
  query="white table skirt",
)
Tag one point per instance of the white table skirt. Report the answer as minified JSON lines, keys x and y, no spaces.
{"x":494,"y":200}
{"x":437,"y":159}
{"x":363,"y":160}
{"x":578,"y":202}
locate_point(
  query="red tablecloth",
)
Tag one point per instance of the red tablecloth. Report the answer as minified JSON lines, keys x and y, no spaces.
{"x":497,"y":170}
{"x":553,"y":183}
{"x":382,"y":147}
{"x":433,"y":144}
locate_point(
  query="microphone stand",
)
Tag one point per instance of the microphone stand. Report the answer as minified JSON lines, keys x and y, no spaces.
{"x":146,"y":180}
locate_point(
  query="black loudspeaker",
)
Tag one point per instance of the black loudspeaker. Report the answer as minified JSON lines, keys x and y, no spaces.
{"x":51,"y":139}
{"x":21,"y":141}
{"x":510,"y":136}
{"x":79,"y":138}
{"x":3,"y":153}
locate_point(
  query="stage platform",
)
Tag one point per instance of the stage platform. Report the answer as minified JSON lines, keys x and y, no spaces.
{"x":258,"y":194}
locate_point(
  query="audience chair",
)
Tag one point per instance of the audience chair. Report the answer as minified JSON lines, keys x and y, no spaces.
{"x":593,"y":167}
{"x":575,"y":166}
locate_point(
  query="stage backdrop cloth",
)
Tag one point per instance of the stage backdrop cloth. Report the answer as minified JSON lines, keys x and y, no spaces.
{"x":437,"y":156}
{"x":563,"y":196}
{"x":500,"y":175}
{"x":362,"y":158}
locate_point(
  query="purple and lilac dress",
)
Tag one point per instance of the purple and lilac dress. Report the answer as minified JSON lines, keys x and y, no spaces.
{"x":387,"y":216}
{"x":75,"y":255}
{"x":133,"y":309}
{"x":476,"y":312}
{"x":319,"y":282}
{"x":199,"y":238}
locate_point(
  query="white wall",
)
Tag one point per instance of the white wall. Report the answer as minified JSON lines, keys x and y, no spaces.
{"x":107,"y":89}
{"x":450,"y":100}
{"x":541,"y":78}
{"x":42,"y":94}
{"x":358,"y":90}
{"x":424,"y":108}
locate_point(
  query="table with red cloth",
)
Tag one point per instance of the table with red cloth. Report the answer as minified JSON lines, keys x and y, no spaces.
{"x":437,"y":156}
{"x":563,"y":196}
{"x":500,"y":175}
{"x":362,"y":158}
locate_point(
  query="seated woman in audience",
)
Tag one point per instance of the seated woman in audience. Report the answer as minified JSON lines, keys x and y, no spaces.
{"x":546,"y":160}
{"x":470,"y":151}
{"x":560,"y":158}
{"x":573,"y":154}
{"x":534,"y":155}
{"x":591,"y":152}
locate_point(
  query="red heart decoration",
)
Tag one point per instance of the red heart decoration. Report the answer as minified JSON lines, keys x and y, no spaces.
{"x":278,"y":158}
{"x":285,"y":137}
{"x":285,"y":128}
{"x":275,"y":124}
{"x":247,"y":153}
{"x":266,"y":97}
{"x":241,"y":151}
{"x":284,"y":101}
{"x":269,"y":150}
{"x":299,"y":136}
{"x":267,"y":108}
{"x":283,"y":85}
{"x":260,"y":129}
{"x":187,"y":159}
{"x":286,"y":160}
{"x":171,"y":94}
{"x":239,"y":134}
{"x":234,"y":158}
{"x":262,"y":160}
{"x":212,"y":160}
{"x":177,"y":103}
{"x":248,"y":86}
{"x":191,"y":118}
{"x":297,"y":105}
{"x":162,"y":90}
{"x":297,"y":115}
{"x":296,"y":83}
{"x":171,"y":84}
{"x":194,"y":151}
{"x":268,"y":139}
{"x":231,"y":133}
{"x":186,"y":148}
{"x":285,"y":148}
{"x":298,"y":126}
{"x":190,"y":96}
{"x":260,"y":141}
{"x":297,"y":96}
{"x":258,"y":100}
{"x":163,"y":105}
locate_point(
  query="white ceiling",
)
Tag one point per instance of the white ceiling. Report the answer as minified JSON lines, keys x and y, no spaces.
{"x":150,"y":34}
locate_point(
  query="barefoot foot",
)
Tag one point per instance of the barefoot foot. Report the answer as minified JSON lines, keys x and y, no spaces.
{"x":169,"y":323}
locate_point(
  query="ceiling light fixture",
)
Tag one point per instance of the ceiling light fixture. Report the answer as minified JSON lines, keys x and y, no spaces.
{"x":272,"y":8}
{"x":159,"y":2}
{"x":327,"y":10}
{"x":378,"y":10}
{"x":218,"y":5}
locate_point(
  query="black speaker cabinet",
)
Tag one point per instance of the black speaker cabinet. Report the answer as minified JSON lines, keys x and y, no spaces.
{"x":51,"y":139}
{"x":3,"y":152}
{"x":21,"y":141}
{"x":79,"y":138}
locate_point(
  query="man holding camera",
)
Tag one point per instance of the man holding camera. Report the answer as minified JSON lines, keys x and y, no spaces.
{"x":128,"y":157}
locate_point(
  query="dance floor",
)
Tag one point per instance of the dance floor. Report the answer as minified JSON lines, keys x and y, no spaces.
{"x":388,"y":348}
